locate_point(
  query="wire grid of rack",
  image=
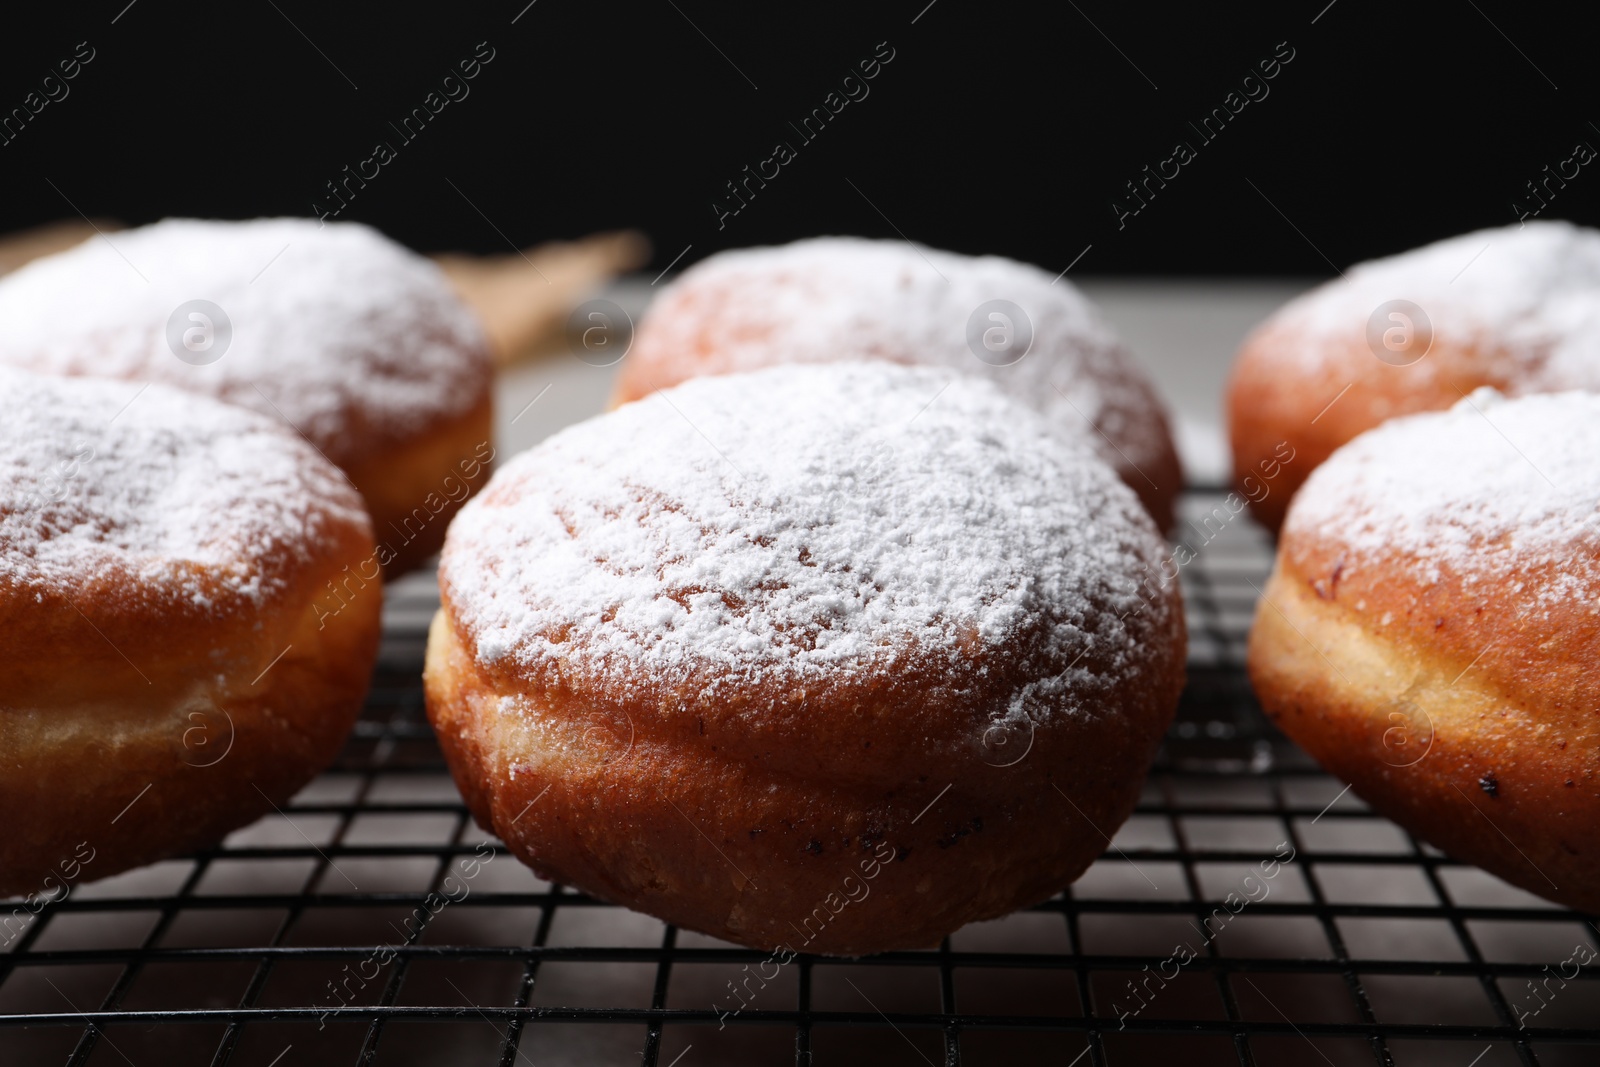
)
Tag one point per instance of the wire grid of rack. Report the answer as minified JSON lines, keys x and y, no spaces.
{"x":290,"y":943}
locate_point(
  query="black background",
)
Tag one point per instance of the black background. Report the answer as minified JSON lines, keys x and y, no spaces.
{"x":1005,"y":128}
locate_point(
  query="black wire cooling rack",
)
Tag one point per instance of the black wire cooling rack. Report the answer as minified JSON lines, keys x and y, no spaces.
{"x":311,"y":937}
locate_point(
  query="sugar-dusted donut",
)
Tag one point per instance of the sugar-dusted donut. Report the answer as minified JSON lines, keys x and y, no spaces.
{"x":1432,"y":629}
{"x":840,"y":298}
{"x":358,"y":344}
{"x":831,"y":657}
{"x":182,"y":643}
{"x":1516,"y":308}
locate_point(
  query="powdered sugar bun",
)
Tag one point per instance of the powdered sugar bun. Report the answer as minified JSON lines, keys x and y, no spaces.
{"x":333,"y":329}
{"x":844,"y":298}
{"x":164,"y":565}
{"x":1431,"y":631}
{"x":779,"y":611}
{"x":1515,"y":308}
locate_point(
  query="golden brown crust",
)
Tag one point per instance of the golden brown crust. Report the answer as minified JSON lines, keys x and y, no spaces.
{"x":1450,"y":708}
{"x":809,"y":833}
{"x":1279,"y":392}
{"x":413,"y":490}
{"x":110,"y":690}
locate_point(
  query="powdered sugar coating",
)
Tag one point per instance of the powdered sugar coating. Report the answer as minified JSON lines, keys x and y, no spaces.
{"x":355,"y":341}
{"x":1490,"y":489}
{"x":782,"y":526}
{"x":831,"y":298}
{"x":1530,"y":293}
{"x":162,"y":495}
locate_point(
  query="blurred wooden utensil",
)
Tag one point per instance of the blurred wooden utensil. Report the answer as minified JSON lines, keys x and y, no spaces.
{"x":20,"y":247}
{"x":524,"y":298}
